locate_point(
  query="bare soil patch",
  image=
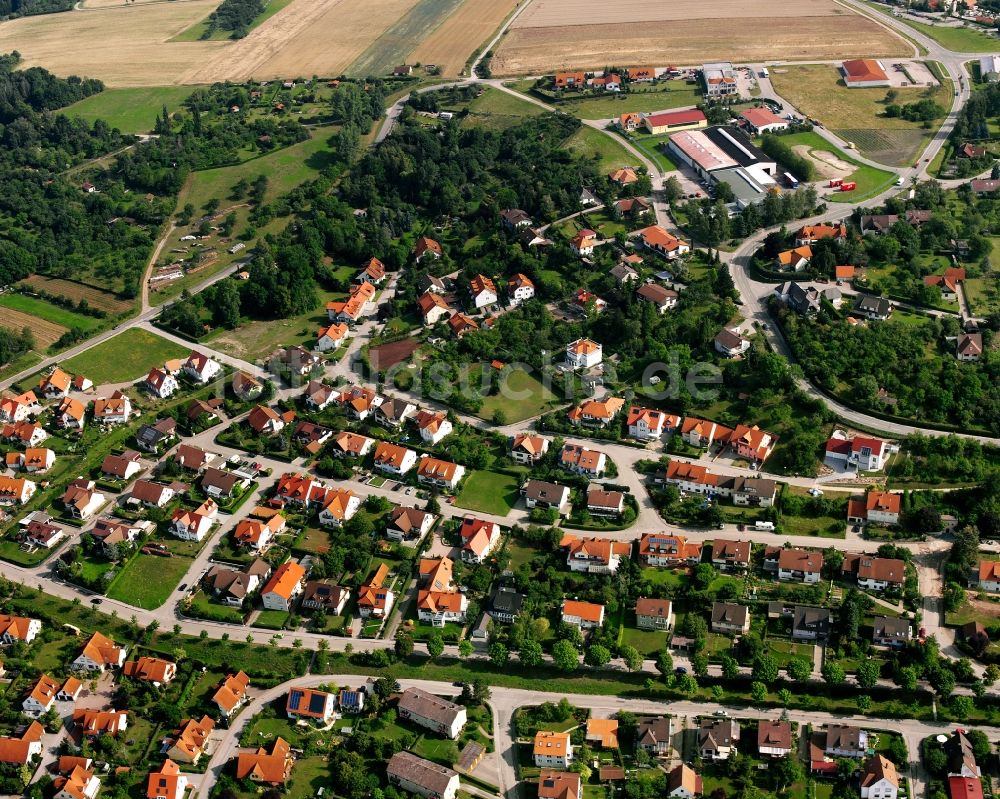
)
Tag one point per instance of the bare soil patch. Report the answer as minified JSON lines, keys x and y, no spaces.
{"x":385,"y":356}
{"x":533,"y":50}
{"x":457,"y":38}
{"x":46,"y":333}
{"x":827,"y":165}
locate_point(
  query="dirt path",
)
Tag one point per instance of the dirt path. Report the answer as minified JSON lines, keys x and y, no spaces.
{"x":149,"y":266}
{"x":826,"y":163}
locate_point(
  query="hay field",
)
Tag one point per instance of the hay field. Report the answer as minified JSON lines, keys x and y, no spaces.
{"x":95,"y":297}
{"x":686,"y":32}
{"x":89,"y":4}
{"x":309,"y":37}
{"x":123,"y":46}
{"x":457,"y":38}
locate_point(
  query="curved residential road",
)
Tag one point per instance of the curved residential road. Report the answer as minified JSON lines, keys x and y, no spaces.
{"x":505,"y":701}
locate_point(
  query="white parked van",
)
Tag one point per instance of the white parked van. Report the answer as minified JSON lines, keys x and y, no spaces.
{"x":764,"y":525}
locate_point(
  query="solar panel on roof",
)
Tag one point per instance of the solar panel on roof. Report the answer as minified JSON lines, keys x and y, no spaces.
{"x":316,"y":703}
{"x":294,"y":698}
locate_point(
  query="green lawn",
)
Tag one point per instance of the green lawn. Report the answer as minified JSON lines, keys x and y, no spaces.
{"x":648,"y":642}
{"x":149,"y":580}
{"x":969,"y":39}
{"x":47,"y":311}
{"x":784,"y":651}
{"x":271,"y":619}
{"x":129,"y":110}
{"x":602,"y":147}
{"x":858,"y":115}
{"x":435,"y":749}
{"x":652,"y":148}
{"x":521,"y":396}
{"x":488,"y":492}
{"x":311,"y":774}
{"x":494,"y":102}
{"x":196,"y":31}
{"x":870,"y":181}
{"x":127,"y":356}
{"x":661,"y":96}
{"x":983,"y":294}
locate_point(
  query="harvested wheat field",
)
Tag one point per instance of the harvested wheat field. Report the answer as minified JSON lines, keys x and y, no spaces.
{"x":451,"y":45}
{"x":687,"y":32}
{"x":46,"y":333}
{"x":308,"y":37}
{"x":95,"y":297}
{"x":89,"y":4}
{"x":123,"y":46}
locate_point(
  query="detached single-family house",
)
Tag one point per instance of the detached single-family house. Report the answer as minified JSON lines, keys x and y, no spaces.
{"x":152,"y":670}
{"x":654,"y":614}
{"x":730,"y":618}
{"x":393,"y":458}
{"x":479,"y":538}
{"x":201,"y":368}
{"x":583,"y":354}
{"x":552,"y":749}
{"x":193,"y":525}
{"x":284,"y":586}
{"x":541,"y":494}
{"x":843,"y":740}
{"x":231,"y":694}
{"x":774,"y":738}
{"x":585,"y":615}
{"x":116,"y":409}
{"x":310,"y":704}
{"x":421,"y":777}
{"x":161,"y":383}
{"x":718,"y":738}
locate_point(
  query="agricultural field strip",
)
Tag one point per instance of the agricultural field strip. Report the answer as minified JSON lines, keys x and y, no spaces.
{"x":457,"y":38}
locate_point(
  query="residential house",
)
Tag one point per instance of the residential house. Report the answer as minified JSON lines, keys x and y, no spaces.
{"x":122,"y":467}
{"x":422,"y":777}
{"x":891,"y":631}
{"x":754,"y":492}
{"x":23,"y":746}
{"x":583,"y":242}
{"x":372,"y":271}
{"x":667,"y":549}
{"x":810,"y":624}
{"x":594,"y":555}
{"x":663,"y":299}
{"x":39,"y":533}
{"x":351,"y":701}
{"x":483,"y":292}
{"x":187,"y":744}
{"x":552,"y":749}
{"x":794,"y":260}
{"x":752,"y":443}
{"x":268,"y":768}
{"x":873,"y":308}
{"x":654,"y":614}
{"x":774,"y":738}
{"x":505,"y":605}
{"x":540,"y":494}
{"x":374,"y":597}
{"x":683,"y":782}
{"x":115,"y":536}
{"x":433,"y":307}
{"x":730,"y":555}
{"x":602,"y":733}
{"x":310,"y":704}
{"x":351,"y":445}
{"x":605,"y":503}
{"x":167,"y":783}
{"x":298,"y":360}
{"x":588,"y":462}
{"x":763,"y":120}
{"x":193,"y":459}
{"x":964,"y":787}
{"x":160,"y":383}
{"x":312,"y":436}
{"x":20,"y":407}
{"x":875,"y":574}
{"x":554,"y":784}
{"x":520,"y":289}
{"x":623,"y":273}
{"x":299,"y":490}
{"x":98,"y":654}
{"x":646,"y":424}
{"x":585,"y":615}
{"x":232,"y":586}
{"x":319,"y":395}
{"x":77,"y":783}
{"x":863,"y":453}
{"x":528,"y":448}
{"x":95,"y":723}
{"x":623,"y":176}
{"x":152,"y":670}
{"x":514,"y":219}
{"x":657,"y":240}
{"x":631,"y":207}
{"x":988,"y":576}
{"x":265,"y":421}
{"x":41,"y":697}
{"x":438,"y":608}
{"x":653,"y":735}
{"x":461,"y":324}
{"x":193,"y":525}
{"x":969,"y":347}
{"x":393,"y":412}
{"x":432,"y":712}
{"x":878,"y":507}
{"x":284,"y":586}
{"x":231,"y":695}
{"x":351,"y":310}
{"x":82,"y":499}
{"x":155,"y":437}
{"x":426,"y":248}
{"x":731,"y":343}
{"x":810,"y":234}
{"x":408,"y":524}
{"x":324,"y":595}
{"x":116,"y":409}
{"x":339,"y":506}
{"x":479,"y":538}
{"x":798,"y":565}
{"x":219,"y":484}
{"x":961,"y":756}
{"x":393,"y":458}
{"x":720,"y":79}
{"x":15,"y":491}
{"x":700,"y":433}
{"x":55,"y":385}
{"x":32,"y":460}
{"x":433,"y":426}
{"x":843,"y":740}
{"x":717,"y":738}
{"x":25,"y":434}
{"x":730,"y":618}
{"x":332,"y":336}
{"x":246,"y":387}
{"x":201,"y":368}
{"x":583,"y":354}
{"x":599,"y":413}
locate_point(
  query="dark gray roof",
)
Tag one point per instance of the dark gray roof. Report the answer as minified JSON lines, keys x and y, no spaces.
{"x":506,"y":600}
{"x":816,"y":620}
